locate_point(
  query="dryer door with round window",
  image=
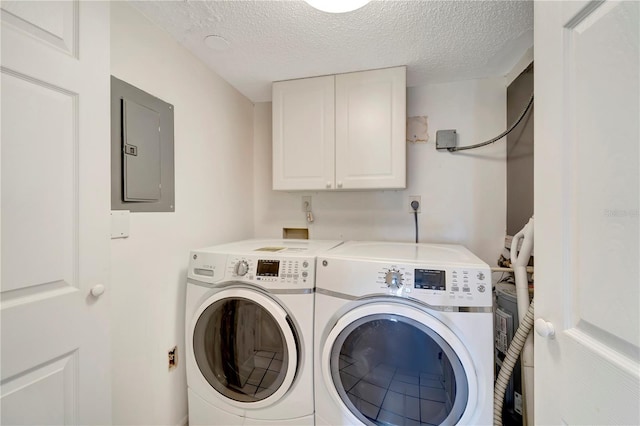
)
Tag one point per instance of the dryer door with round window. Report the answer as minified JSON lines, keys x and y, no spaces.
{"x":392,"y":365}
{"x":246,"y":347}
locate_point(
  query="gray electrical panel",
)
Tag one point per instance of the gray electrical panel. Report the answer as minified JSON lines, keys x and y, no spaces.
{"x":142,"y":164}
{"x":141,"y":143}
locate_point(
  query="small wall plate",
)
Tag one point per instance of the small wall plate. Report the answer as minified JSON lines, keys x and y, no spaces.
{"x":119,"y":223}
{"x":446,"y":139}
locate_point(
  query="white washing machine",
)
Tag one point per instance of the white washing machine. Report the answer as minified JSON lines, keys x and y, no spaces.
{"x":249,"y":328}
{"x":403,"y":336}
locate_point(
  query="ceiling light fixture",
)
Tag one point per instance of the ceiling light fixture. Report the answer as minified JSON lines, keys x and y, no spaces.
{"x":337,"y":6}
{"x":216,"y":42}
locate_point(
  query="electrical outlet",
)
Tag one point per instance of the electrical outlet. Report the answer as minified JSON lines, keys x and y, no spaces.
{"x":306,"y":203}
{"x":414,"y":198}
{"x":173,"y":358}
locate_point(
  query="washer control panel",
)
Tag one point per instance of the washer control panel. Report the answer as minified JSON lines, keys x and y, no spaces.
{"x":275,"y":272}
{"x":270,"y":271}
{"x":450,"y":286}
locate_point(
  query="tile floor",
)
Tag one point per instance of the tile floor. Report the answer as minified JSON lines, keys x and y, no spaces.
{"x":266,"y":371}
{"x":388,"y":394}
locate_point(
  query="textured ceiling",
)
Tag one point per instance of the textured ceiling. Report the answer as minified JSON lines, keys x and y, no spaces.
{"x":438,"y":41}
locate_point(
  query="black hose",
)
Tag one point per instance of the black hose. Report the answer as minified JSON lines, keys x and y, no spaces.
{"x":415,"y":205}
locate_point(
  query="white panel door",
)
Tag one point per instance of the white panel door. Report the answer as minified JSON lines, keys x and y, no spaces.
{"x":303,"y":134}
{"x":371,"y":129}
{"x":586,"y":211}
{"x":55,"y":213}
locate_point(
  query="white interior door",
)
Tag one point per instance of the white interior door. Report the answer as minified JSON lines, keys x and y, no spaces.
{"x":586,"y":211}
{"x":55,"y":213}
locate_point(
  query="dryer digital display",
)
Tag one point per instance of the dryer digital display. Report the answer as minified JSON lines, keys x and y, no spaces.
{"x":268,"y":268}
{"x":429,"y":279}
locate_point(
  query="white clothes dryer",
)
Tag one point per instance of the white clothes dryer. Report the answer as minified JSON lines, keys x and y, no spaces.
{"x":403,"y":336}
{"x":249,"y":328}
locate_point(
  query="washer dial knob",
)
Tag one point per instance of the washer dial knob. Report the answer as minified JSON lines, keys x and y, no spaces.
{"x":393,"y":278}
{"x":241,"y":268}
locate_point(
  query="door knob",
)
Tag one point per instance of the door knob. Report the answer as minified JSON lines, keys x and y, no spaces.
{"x":97,"y":290}
{"x":544,"y":328}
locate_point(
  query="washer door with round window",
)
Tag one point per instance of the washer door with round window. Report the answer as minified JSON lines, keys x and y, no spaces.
{"x":393,"y":364}
{"x":245,"y":347}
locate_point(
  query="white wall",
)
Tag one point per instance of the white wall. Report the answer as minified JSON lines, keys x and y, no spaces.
{"x":214,"y":187}
{"x":463,"y":194}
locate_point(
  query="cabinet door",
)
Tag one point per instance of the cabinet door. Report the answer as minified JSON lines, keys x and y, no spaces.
{"x":371,"y":129}
{"x":303,"y":134}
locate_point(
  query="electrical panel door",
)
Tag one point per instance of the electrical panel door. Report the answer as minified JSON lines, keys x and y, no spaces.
{"x":141,"y":152}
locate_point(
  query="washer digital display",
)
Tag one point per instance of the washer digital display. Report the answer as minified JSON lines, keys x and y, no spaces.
{"x":268,"y":268}
{"x":429,"y":279}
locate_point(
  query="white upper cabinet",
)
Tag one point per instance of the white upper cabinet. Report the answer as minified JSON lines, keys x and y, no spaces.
{"x":340,"y":132}
{"x":371,"y":129}
{"x":303,"y":133}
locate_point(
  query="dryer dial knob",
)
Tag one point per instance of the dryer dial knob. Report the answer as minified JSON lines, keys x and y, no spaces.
{"x":241,"y":268}
{"x":393,"y":278}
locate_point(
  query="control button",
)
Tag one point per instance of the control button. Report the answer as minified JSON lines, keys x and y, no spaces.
{"x":305,"y":264}
{"x":466,"y":289}
{"x":480,"y":276}
{"x":305,"y":274}
{"x":481,"y":288}
{"x":241,"y":268}
{"x":455,"y":288}
{"x":393,"y":278}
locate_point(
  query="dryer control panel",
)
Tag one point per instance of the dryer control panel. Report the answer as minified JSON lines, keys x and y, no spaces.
{"x":438,"y":285}
{"x":450,"y":286}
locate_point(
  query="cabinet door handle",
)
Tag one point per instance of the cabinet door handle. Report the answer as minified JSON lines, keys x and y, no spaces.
{"x":339,"y":184}
{"x":328,"y":184}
